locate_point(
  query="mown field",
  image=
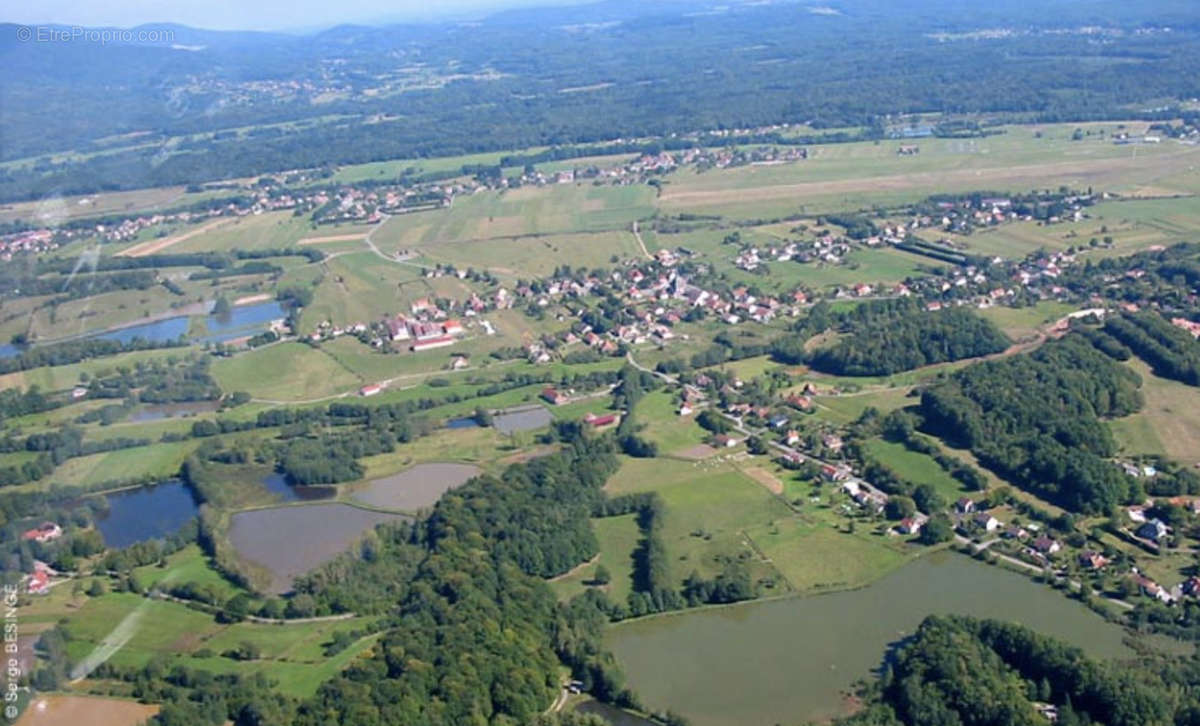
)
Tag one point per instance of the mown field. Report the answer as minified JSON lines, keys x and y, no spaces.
{"x":285,"y":372}
{"x":1168,"y":424}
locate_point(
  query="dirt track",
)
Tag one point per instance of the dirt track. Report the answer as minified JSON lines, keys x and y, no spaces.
{"x":158,"y":245}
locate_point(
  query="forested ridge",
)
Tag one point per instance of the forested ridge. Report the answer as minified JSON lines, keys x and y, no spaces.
{"x":1036,"y":420}
{"x":882,"y":337}
{"x":958,"y":671}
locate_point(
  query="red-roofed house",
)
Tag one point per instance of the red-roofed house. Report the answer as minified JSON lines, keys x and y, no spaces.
{"x":45,"y":532}
{"x":554,"y":396}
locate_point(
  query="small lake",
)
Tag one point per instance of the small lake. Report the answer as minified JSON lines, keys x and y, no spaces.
{"x":154,"y":512}
{"x":290,"y":541}
{"x":277,"y":483}
{"x":415,"y":488}
{"x":790,"y":660}
{"x":462,"y":423}
{"x":241,"y":321}
{"x":526,"y":418}
{"x":159,"y":411}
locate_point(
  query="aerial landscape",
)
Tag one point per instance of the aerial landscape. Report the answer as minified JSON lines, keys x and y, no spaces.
{"x":567,"y":364}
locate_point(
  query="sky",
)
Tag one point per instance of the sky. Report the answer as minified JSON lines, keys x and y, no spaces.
{"x":251,"y":14}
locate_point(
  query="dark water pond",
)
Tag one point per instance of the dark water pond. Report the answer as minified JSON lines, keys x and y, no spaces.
{"x":526,"y":418}
{"x":159,"y":411}
{"x":789,"y":660}
{"x":154,"y":512}
{"x":292,"y":540}
{"x":278,"y":484}
{"x":462,"y":423}
{"x":8,"y":350}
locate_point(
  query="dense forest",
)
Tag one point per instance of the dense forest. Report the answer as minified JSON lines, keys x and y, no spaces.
{"x":959,"y":671}
{"x":221,"y":112}
{"x":882,"y":337}
{"x":1036,"y":420}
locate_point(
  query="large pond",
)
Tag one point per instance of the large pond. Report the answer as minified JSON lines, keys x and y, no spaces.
{"x":791,"y":660}
{"x":415,"y":488}
{"x":290,"y":541}
{"x":154,"y":512}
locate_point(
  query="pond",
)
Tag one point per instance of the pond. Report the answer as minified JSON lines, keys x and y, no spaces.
{"x":153,"y":512}
{"x":8,"y":350}
{"x":415,"y":488}
{"x":242,"y":321}
{"x":277,"y":483}
{"x":462,"y":423}
{"x":159,"y":411}
{"x":791,"y":660}
{"x":292,"y":540}
{"x":525,"y":418}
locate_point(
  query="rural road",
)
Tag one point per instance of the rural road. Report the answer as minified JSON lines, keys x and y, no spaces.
{"x":637,"y":235}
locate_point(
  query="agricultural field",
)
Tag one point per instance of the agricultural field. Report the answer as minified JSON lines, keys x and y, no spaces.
{"x":618,"y":537}
{"x":916,"y":467}
{"x":159,"y":460}
{"x":525,"y":257}
{"x":264,"y":231}
{"x":1132,"y":225}
{"x":71,"y":710}
{"x":1168,"y":424}
{"x":528,"y":211}
{"x":852,"y":176}
{"x":1025,"y":323}
{"x":823,"y":556}
{"x":657,"y":412}
{"x":360,"y":287}
{"x":285,"y":372}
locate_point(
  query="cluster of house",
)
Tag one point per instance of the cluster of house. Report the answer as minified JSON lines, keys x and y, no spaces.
{"x":1188,"y":325}
{"x":825,"y":248}
{"x":38,"y":583}
{"x":427,"y":328}
{"x":34,"y":241}
{"x":965,"y":215}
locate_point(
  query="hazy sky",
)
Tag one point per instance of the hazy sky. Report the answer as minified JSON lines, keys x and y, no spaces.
{"x":249,"y":14}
